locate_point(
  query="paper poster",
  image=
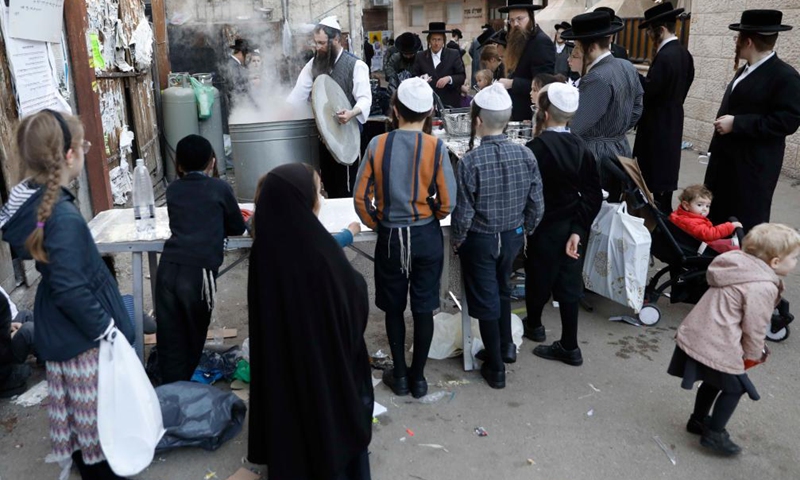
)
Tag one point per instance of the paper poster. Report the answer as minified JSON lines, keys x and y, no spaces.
{"x":33,"y":72}
{"x":39,"y":20}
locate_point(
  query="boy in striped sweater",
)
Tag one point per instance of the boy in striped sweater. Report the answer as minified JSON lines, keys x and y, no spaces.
{"x":404,"y":187}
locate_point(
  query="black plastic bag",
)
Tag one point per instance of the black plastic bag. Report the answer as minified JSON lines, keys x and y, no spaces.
{"x":198,"y":415}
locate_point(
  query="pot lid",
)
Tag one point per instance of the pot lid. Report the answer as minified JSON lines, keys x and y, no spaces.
{"x":342,"y":140}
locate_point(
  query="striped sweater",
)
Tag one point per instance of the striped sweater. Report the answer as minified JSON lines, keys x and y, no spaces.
{"x":405,"y":179}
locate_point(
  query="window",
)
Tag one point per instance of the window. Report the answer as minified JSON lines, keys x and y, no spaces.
{"x":455,"y":12}
{"x":417,"y":15}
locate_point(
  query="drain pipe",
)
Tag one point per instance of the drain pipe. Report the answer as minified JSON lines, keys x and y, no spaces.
{"x":351,"y":5}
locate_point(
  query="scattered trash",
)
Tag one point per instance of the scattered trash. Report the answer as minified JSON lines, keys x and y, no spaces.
{"x":590,"y":413}
{"x":433,"y":445}
{"x":458,"y":304}
{"x":626,"y":319}
{"x":410,"y":432}
{"x":481,"y":432}
{"x":531,"y":462}
{"x":703,"y":159}
{"x":556,"y":304}
{"x":242,"y":371}
{"x":436,"y":397}
{"x":667,"y":450}
{"x":403,"y":439}
{"x":686,"y":145}
{"x":381,"y":363}
{"x":378,"y":409}
{"x":594,"y":388}
{"x":34,"y":396}
{"x":210,"y":475}
{"x":452,"y":383}
{"x":375,"y":421}
{"x":379,"y":355}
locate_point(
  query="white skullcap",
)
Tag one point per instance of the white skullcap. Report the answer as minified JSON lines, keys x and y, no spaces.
{"x":563,"y":96}
{"x":494,"y":97}
{"x":416,"y":94}
{"x":332,"y":22}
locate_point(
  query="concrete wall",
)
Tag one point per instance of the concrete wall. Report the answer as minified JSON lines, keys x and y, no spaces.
{"x":711,"y":44}
{"x":474,"y":15}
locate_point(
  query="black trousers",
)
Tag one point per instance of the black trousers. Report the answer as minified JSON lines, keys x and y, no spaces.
{"x":338,"y":180}
{"x":98,"y":471}
{"x":183,"y":315}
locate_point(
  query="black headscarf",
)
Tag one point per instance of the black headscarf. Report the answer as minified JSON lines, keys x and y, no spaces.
{"x":311,"y":389}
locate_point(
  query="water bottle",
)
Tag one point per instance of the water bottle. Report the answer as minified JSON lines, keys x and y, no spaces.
{"x":144,"y":205}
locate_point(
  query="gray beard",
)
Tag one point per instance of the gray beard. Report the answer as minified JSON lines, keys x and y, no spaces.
{"x":323,"y":62}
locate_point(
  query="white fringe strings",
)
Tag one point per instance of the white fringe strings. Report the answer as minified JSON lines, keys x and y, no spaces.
{"x":209,"y":293}
{"x":405,"y":250}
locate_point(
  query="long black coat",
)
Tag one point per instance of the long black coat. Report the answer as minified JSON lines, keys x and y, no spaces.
{"x":451,"y":65}
{"x":746,"y":163}
{"x":658,"y":138}
{"x":539,"y":57}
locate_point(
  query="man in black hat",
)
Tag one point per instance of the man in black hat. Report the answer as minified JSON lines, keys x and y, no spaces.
{"x":529,"y":52}
{"x":761,"y":107}
{"x":455,"y":42}
{"x":610,"y":93}
{"x":617,"y":50}
{"x":400,"y":65}
{"x":475,"y":49}
{"x":442,"y":67}
{"x":660,"y":131}
{"x":563,"y":51}
{"x":236,"y":71}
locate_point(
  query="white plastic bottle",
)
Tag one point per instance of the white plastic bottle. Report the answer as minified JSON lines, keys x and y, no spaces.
{"x":144,"y":205}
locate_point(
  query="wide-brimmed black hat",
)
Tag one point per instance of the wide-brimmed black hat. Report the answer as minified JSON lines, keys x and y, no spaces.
{"x":497,"y":38}
{"x":483,"y":37}
{"x":563,"y":26}
{"x":592,"y":25}
{"x":241,"y":45}
{"x":458,"y":33}
{"x":660,"y":13}
{"x":437,"y":27}
{"x":408,"y":43}
{"x":760,"y":21}
{"x":519,"y":5}
{"x":609,"y":11}
{"x":486,"y":26}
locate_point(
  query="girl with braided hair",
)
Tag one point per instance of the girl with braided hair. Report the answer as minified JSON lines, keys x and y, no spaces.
{"x":77,"y":298}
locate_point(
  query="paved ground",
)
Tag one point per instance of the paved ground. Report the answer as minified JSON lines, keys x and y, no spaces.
{"x":593,"y":422}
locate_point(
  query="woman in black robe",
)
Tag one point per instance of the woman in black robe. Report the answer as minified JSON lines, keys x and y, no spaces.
{"x":311,"y":388}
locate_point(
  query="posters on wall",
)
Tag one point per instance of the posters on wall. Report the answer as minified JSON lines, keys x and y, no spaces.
{"x":380,"y":42}
{"x":33,"y":71}
{"x":46,"y":15}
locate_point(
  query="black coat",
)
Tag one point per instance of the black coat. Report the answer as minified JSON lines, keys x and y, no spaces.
{"x":619,"y":51}
{"x":451,"y":65}
{"x":539,"y":57}
{"x":745,"y":164}
{"x":658,"y":138}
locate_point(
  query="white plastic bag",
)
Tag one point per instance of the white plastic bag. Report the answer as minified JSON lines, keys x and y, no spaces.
{"x":617,"y":256}
{"x":129,"y":421}
{"x":448,"y":335}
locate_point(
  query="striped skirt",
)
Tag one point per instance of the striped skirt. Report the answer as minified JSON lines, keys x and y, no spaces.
{"x":72,"y":386}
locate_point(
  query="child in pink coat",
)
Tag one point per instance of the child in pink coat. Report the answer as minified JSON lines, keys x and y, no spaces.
{"x":727,"y":328}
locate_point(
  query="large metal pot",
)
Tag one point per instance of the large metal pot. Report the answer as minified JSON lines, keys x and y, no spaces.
{"x":260,"y":147}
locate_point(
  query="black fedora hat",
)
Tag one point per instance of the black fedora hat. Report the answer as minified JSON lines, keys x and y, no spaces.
{"x":483,"y":37}
{"x":760,"y":21}
{"x":241,"y":45}
{"x":458,"y":33}
{"x":437,"y":27}
{"x":408,"y":43}
{"x":519,"y":5}
{"x":660,"y":13}
{"x":609,"y":11}
{"x":592,"y":25}
{"x":563,"y":26}
{"x":497,"y":38}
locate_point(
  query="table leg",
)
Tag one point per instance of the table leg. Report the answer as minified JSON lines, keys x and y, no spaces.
{"x":466,"y":328}
{"x":152,"y":259}
{"x":138,"y":303}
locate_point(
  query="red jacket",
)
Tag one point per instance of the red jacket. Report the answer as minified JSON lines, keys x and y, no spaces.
{"x":699,"y":226}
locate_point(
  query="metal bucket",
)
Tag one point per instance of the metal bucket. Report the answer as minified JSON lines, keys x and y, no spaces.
{"x":260,"y":147}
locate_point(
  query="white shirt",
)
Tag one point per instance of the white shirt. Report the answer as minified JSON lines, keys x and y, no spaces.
{"x":666,"y":41}
{"x":560,"y":47}
{"x":607,"y":54}
{"x":749,"y":69}
{"x":558,"y":129}
{"x":437,"y":58}
{"x":12,"y":307}
{"x":361,"y":88}
{"x":237,"y":60}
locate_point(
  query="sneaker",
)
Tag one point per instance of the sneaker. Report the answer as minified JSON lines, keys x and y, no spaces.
{"x":494,"y":379}
{"x":557,"y":352}
{"x":720,"y":442}
{"x":398,"y":385}
{"x":536,"y":334}
{"x":16,"y":382}
{"x":696,"y":426}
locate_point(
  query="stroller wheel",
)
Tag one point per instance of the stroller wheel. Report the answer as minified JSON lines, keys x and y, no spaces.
{"x":649,"y":315}
{"x":778,"y":336}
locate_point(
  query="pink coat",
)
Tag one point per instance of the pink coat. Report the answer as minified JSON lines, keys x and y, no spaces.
{"x":730,"y":322}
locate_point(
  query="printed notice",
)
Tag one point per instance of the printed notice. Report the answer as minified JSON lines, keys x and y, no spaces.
{"x":39,"y":20}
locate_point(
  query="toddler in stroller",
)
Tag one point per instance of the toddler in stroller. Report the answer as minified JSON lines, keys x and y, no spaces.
{"x":691,"y":217}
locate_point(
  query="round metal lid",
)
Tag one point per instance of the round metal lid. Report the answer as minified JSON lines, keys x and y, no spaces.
{"x":342,"y":140}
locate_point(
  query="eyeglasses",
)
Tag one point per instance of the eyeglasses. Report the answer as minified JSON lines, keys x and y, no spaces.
{"x":86,"y":146}
{"x":517,"y":20}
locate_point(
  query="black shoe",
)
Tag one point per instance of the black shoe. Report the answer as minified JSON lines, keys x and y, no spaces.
{"x":16,"y":382}
{"x":557,"y":352}
{"x":720,"y":442}
{"x":493,"y":378}
{"x":398,"y":385}
{"x":482,"y":355}
{"x":697,"y":426}
{"x":536,"y":334}
{"x":419,"y":388}
{"x":508,"y":352}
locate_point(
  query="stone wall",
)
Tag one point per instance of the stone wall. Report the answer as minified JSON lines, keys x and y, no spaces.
{"x":712,"y":45}
{"x":474,"y":15}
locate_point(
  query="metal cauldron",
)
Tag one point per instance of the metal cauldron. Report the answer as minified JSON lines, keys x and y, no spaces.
{"x":260,"y":147}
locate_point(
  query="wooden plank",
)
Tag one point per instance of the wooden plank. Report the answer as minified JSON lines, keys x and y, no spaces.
{"x":114,"y":116}
{"x":145,"y":124}
{"x":162,"y":45}
{"x":77,"y":23}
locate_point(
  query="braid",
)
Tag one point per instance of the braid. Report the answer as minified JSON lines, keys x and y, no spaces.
{"x":475,"y":113}
{"x":35,"y":242}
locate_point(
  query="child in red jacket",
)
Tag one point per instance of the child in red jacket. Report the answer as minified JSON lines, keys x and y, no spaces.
{"x":690,"y":216}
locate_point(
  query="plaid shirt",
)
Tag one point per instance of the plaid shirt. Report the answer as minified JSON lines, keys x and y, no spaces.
{"x":499,"y":189}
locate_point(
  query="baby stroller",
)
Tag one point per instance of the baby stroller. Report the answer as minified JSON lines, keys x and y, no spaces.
{"x":686,"y":258}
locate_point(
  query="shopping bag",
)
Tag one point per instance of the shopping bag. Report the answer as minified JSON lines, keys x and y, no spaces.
{"x":448,"y":340}
{"x":129,"y":421}
{"x":204,"y":95}
{"x":617,"y":256}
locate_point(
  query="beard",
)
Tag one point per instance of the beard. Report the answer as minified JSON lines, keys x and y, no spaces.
{"x":517,"y":41}
{"x":323,"y":62}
